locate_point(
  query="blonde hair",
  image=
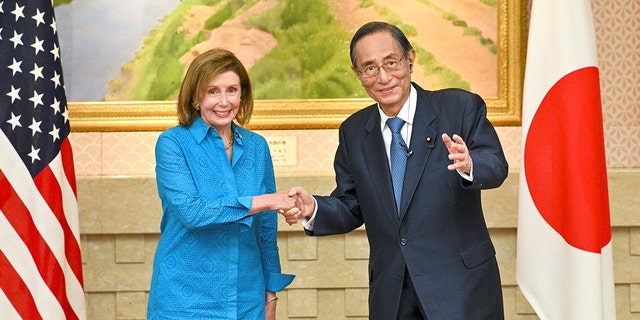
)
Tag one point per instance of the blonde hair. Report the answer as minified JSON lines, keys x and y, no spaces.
{"x":202,"y":70}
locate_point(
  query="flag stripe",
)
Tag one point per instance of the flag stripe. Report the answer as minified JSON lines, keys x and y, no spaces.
{"x":15,"y":290}
{"x":53,"y":196}
{"x":6,"y":308}
{"x":73,"y":263}
{"x":46,"y":262}
{"x":46,"y":223}
{"x":67,"y":165}
{"x":18,"y":254}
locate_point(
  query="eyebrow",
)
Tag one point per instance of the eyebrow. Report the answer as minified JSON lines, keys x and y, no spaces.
{"x":234,"y":86}
{"x":391,"y":55}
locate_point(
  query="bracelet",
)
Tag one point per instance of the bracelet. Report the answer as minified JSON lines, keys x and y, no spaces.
{"x":272,"y":299}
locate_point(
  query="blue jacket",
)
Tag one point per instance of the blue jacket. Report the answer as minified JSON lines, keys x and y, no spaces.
{"x":212,"y":260}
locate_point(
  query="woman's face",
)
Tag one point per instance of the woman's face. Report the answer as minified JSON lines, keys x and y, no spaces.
{"x":221,"y":100}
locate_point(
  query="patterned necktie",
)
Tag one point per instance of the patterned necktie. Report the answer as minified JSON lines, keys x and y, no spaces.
{"x":398,"y":156}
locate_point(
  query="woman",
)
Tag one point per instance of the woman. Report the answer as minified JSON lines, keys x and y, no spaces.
{"x":217,"y":257}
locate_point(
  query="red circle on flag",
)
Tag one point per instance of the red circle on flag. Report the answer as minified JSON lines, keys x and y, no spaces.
{"x":565,"y":164}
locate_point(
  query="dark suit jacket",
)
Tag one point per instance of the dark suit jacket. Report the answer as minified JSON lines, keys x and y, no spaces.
{"x":440,"y":235}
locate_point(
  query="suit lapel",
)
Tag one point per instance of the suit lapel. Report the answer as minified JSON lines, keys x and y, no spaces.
{"x":377,"y":164}
{"x":423,"y":139}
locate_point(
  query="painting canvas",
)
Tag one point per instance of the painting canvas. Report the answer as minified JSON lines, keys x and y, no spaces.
{"x":295,"y":50}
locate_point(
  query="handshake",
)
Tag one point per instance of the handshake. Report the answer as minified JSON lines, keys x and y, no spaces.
{"x":294,"y":204}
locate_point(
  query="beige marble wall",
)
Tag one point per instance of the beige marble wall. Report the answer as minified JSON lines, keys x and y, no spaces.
{"x":119,"y":224}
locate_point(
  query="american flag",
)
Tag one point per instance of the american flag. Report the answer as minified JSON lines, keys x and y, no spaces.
{"x":40,"y":261}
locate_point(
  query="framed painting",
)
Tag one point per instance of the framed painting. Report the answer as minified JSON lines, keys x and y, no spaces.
{"x":296,"y":52}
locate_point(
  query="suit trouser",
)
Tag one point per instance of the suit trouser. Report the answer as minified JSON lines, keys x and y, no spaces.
{"x":409,"y":308}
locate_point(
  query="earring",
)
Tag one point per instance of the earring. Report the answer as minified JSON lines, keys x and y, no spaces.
{"x":196,"y":105}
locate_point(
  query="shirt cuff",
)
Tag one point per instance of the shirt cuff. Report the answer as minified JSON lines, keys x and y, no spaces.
{"x":276,"y":282}
{"x":245,"y":201}
{"x":309,"y":223}
{"x":469,"y":176}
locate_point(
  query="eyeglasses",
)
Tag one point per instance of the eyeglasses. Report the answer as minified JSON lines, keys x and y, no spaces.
{"x":372,"y":71}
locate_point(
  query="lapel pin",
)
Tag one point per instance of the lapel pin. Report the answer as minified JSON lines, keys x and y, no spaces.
{"x":428,"y":139}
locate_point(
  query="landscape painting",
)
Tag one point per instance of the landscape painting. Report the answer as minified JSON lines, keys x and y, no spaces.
{"x":138,"y":50}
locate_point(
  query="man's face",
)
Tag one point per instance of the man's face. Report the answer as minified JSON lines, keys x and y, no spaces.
{"x":388,"y":81}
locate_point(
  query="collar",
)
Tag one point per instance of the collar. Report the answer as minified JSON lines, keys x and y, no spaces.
{"x":407,"y":112}
{"x":200,"y":130}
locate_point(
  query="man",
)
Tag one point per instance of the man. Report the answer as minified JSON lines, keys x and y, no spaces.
{"x":430,"y":252}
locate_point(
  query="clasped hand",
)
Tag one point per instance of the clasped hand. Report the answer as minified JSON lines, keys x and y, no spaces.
{"x":303,"y":208}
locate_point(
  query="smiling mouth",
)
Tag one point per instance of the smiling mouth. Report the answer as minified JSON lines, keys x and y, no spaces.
{"x":222,"y":113}
{"x":387,"y":90}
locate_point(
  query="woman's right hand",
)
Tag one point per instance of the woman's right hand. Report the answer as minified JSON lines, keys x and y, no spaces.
{"x":279,"y":201}
{"x":305,"y":206}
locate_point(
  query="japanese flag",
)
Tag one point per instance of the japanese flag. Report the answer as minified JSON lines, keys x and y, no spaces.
{"x":564,"y":258}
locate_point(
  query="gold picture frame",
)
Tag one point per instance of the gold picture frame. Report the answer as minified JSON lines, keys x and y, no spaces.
{"x":503,"y":110}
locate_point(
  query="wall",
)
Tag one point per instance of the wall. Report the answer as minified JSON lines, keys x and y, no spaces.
{"x":119,"y":222}
{"x":120,"y":212}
